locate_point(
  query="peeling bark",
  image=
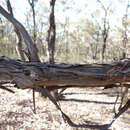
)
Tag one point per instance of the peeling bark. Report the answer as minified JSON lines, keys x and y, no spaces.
{"x":55,"y":76}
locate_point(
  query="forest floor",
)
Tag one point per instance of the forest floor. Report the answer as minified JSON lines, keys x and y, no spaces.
{"x":89,"y":109}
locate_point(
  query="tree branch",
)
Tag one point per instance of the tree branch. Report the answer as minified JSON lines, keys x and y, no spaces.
{"x":32,"y":50}
{"x":19,"y":44}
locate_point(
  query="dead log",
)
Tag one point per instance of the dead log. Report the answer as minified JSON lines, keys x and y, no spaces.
{"x":54,"y":76}
{"x":35,"y":74}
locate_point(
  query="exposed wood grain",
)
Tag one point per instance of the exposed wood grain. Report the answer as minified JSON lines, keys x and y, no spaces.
{"x":33,"y":74}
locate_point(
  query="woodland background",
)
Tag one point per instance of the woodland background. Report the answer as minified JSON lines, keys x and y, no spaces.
{"x":79,"y":39}
{"x":100,"y":34}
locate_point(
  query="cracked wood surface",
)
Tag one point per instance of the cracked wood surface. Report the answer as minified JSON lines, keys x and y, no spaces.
{"x":53,"y":76}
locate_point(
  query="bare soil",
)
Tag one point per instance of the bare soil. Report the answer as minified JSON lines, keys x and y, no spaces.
{"x":89,"y":109}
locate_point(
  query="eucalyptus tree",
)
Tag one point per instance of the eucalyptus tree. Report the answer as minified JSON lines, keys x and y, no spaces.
{"x":19,"y":46}
{"x":105,"y":28}
{"x":126,"y":25}
{"x":50,"y":76}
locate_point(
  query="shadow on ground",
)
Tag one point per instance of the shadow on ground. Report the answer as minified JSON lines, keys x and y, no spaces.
{"x":86,"y":101}
{"x":24,"y":103}
{"x":91,"y":125}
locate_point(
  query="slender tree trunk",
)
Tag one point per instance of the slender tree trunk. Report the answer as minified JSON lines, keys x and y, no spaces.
{"x":105,"y":30}
{"x":124,"y":33}
{"x":51,"y":33}
{"x":104,"y":36}
{"x":19,"y":44}
{"x":31,"y":2}
{"x":51,"y":39}
{"x":125,"y":42}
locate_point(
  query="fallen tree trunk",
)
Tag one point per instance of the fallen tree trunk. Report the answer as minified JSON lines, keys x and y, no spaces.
{"x":53,"y":76}
{"x":36,"y":74}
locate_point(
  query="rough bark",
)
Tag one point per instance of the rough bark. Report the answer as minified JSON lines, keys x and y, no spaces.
{"x":53,"y":76}
{"x":51,"y":39}
{"x":51,"y":33}
{"x":35,"y":74}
